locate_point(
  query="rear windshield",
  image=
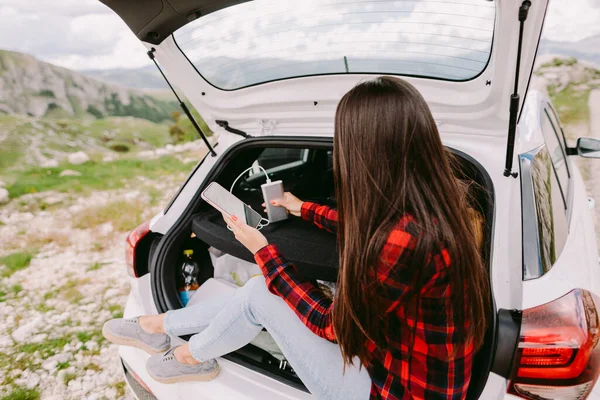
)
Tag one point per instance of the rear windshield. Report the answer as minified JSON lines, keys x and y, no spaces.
{"x":262,"y":41}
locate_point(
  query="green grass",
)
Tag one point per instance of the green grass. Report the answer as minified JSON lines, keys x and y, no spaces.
{"x":73,"y":134}
{"x":15,"y":262}
{"x":95,"y":266}
{"x":86,"y":336}
{"x":72,"y":295}
{"x":68,"y":377}
{"x":93,"y":367}
{"x":15,"y":289}
{"x":129,"y":131}
{"x":70,"y":291}
{"x":558,"y":61}
{"x":124,"y":215}
{"x":63,"y":365}
{"x":21,"y":393}
{"x":120,"y":386}
{"x":94,"y":176}
{"x":11,"y":148}
{"x":571,"y":104}
{"x":116,"y":310}
{"x":46,"y":348}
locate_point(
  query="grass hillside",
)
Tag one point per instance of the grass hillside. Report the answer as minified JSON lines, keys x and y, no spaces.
{"x":48,"y":112}
{"x":568,"y":83}
{"x":32,"y":87}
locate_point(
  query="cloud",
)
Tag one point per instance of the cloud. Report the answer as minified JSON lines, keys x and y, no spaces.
{"x":570,"y":21}
{"x":63,"y":8}
{"x":77,"y":34}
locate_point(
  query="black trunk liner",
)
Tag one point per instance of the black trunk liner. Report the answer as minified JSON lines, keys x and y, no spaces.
{"x":311,"y":249}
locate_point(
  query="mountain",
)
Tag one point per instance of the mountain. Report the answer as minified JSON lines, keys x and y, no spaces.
{"x":140,"y":78}
{"x":39,"y":89}
{"x":583,"y":50}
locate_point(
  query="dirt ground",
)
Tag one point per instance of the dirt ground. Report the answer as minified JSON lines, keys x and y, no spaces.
{"x":593,"y":166}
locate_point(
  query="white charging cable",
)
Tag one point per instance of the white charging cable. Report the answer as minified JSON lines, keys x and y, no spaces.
{"x":246,"y":170}
{"x":260,"y":224}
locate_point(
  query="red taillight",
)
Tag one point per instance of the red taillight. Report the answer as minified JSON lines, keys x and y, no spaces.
{"x":131,"y":243}
{"x":558,"y":354}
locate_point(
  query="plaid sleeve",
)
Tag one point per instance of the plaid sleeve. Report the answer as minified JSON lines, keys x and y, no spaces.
{"x":322,"y":216}
{"x":307,"y":300}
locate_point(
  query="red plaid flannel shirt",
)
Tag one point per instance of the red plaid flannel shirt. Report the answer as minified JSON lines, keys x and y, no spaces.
{"x":440,"y":364}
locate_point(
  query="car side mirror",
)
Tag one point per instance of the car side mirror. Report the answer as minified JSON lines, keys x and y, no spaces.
{"x":588,"y":147}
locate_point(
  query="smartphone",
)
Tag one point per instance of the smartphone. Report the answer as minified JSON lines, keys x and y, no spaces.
{"x":221,"y":199}
{"x":274,"y":191}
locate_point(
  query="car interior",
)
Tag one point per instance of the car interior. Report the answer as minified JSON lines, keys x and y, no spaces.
{"x":307,"y":172}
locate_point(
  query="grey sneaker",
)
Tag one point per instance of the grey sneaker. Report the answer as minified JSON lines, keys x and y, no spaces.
{"x":128,"y":332}
{"x":166,"y":369}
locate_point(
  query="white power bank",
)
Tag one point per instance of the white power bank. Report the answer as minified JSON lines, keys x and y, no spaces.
{"x":274,"y":191}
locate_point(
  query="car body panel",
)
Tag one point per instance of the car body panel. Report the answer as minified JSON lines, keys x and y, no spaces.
{"x":577,"y":265}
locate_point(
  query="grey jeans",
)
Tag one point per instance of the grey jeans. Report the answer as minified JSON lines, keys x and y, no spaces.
{"x":229,"y":321}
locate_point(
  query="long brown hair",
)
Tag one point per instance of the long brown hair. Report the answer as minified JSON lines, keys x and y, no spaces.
{"x":389,"y":161}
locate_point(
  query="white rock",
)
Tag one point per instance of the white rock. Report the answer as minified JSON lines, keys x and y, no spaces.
{"x":91,"y":345}
{"x":49,"y":364}
{"x":62,"y":357}
{"x":5,"y":341}
{"x":75,"y":208}
{"x":78,"y":158}
{"x":23,"y":332}
{"x":39,"y":338}
{"x":87,"y":386}
{"x":32,"y":381}
{"x":2,"y":183}
{"x":16,"y":372}
{"x":75,"y":384}
{"x":51,"y":163}
{"x":132,"y":195}
{"x":69,"y":172}
{"x":161,"y":152}
{"x":51,"y":200}
{"x":4,"y":197}
{"x":111,"y":293}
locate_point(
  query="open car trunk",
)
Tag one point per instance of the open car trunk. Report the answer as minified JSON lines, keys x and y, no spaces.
{"x":306,"y":168}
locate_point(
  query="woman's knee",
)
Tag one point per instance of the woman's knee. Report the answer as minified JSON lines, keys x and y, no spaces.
{"x":256,"y":290}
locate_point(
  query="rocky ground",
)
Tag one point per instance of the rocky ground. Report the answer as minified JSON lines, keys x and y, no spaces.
{"x":62,"y":274}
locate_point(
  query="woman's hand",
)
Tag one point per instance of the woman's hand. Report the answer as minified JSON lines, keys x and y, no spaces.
{"x":291,"y":203}
{"x":250,"y":237}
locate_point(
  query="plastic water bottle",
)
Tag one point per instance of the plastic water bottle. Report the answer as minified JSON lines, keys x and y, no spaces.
{"x":189,"y":277}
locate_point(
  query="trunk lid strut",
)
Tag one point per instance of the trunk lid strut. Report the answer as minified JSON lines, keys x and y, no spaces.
{"x":185,"y":109}
{"x":515,"y":97}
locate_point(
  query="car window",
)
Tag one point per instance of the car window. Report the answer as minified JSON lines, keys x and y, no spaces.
{"x":265,"y":40}
{"x":556,"y":122}
{"x":271,"y":158}
{"x":304,"y":172}
{"x":545,"y":225}
{"x":557,"y":154}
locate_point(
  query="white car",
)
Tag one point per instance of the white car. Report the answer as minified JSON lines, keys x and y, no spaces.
{"x":266,"y":77}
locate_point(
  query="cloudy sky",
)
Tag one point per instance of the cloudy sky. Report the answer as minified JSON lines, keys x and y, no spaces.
{"x":85,"y":34}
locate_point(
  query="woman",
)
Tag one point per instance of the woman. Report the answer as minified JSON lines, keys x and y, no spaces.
{"x":412,"y":292}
